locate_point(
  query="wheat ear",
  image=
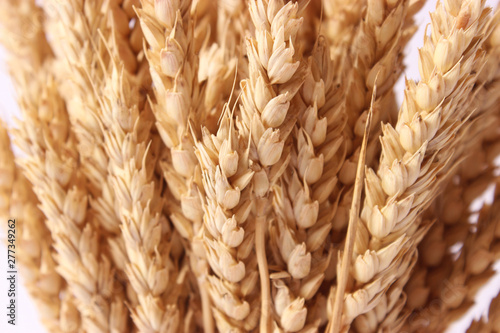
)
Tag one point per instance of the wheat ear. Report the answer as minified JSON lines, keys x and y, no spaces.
{"x":74,"y":30}
{"x":33,"y":242}
{"x":133,"y":152}
{"x":302,"y":199}
{"x":24,"y":37}
{"x":51,"y":155}
{"x":375,"y":57}
{"x":438,"y":277}
{"x":219,"y":61}
{"x":341,"y":20}
{"x":453,"y":283}
{"x":480,"y":148}
{"x":492,"y":323}
{"x":168,"y":31}
{"x":432,"y":112}
{"x":228,"y":233}
{"x":268,"y":115}
{"x":50,"y":163}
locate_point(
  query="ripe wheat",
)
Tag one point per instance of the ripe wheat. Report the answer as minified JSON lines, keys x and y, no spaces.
{"x":200,"y":165}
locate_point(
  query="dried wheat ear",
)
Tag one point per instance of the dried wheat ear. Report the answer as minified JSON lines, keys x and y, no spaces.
{"x":243,"y":166}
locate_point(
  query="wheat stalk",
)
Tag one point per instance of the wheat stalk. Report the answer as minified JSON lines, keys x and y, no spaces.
{"x":429,"y":116}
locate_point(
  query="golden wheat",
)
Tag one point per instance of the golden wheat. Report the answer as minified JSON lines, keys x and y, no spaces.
{"x":200,"y":165}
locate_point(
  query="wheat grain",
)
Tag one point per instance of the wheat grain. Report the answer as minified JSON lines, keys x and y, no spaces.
{"x":384,"y":249}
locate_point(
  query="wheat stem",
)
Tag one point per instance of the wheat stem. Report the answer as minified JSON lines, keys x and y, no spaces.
{"x":342,"y":276}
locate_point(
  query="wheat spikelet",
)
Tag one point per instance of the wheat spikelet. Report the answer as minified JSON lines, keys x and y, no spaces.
{"x":389,"y":232}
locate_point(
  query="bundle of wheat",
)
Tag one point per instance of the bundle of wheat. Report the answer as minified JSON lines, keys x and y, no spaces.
{"x":242,"y":166}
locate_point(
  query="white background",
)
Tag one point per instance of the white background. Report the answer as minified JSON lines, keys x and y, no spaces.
{"x":27,"y":317}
